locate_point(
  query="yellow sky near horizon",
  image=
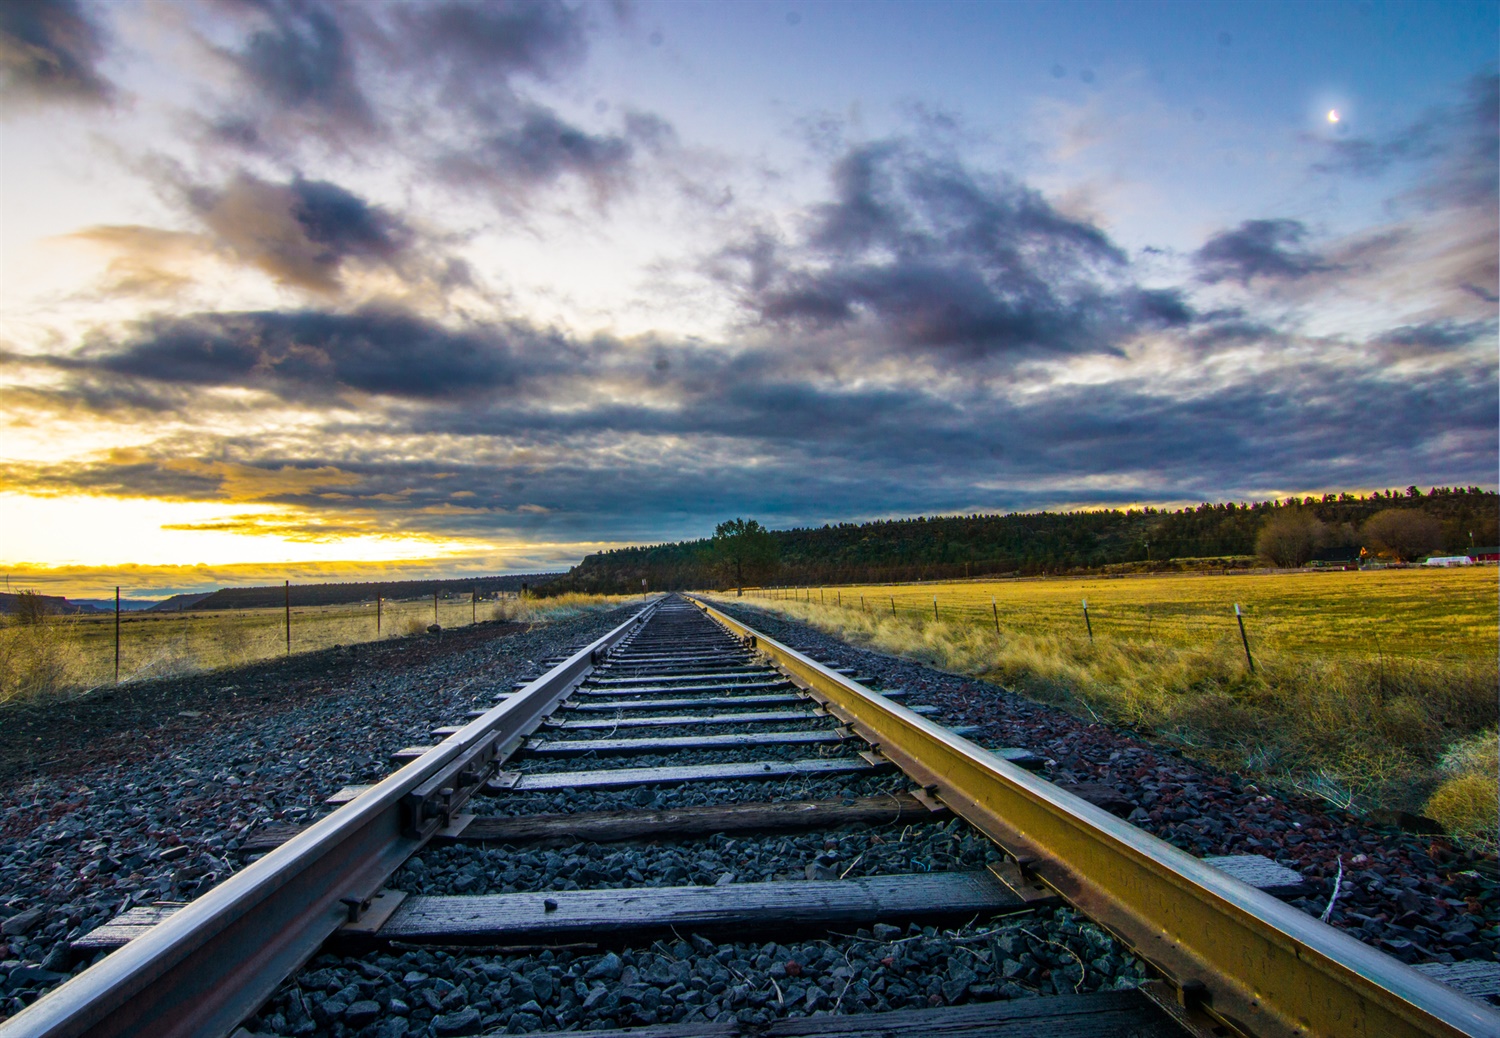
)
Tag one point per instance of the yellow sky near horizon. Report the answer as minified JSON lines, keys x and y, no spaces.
{"x":83,"y":546}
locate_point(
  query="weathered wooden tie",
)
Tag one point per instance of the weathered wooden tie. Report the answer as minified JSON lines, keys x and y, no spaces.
{"x":738,"y":908}
{"x":674,"y":775}
{"x":1104,"y":1014}
{"x":614,"y":826}
{"x":674,"y":743}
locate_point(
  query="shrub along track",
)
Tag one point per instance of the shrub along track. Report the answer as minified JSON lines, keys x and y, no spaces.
{"x":768,"y":865}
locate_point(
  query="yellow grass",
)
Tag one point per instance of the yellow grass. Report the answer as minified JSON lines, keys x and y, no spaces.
{"x":1362,"y":680}
{"x":73,"y":654}
{"x":1411,"y":612}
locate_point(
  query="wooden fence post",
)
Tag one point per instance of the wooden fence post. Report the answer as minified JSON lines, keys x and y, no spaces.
{"x":1086,"y":621}
{"x":434,"y":606}
{"x":117,"y":634}
{"x":377,"y":614}
{"x":893,"y":605}
{"x":934,"y":608}
{"x":473,"y":606}
{"x":287,"y":591}
{"x":996,"y":610}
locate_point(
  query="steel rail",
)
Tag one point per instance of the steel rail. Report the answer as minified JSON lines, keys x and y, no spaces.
{"x":1245,"y":959}
{"x":201,"y":972}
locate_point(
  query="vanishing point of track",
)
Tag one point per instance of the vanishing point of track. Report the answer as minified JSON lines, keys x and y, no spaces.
{"x":1226,"y":958}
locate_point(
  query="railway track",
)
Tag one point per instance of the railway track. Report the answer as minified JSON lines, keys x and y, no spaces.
{"x":718,"y":753}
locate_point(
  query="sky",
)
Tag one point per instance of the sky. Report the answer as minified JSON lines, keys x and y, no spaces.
{"x":310,"y":290}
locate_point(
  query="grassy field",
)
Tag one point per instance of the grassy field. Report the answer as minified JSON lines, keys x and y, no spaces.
{"x":73,"y":654}
{"x":1416,"y":613}
{"x":1373,"y":689}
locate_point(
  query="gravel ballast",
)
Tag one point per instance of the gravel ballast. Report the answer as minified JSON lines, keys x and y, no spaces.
{"x":438,"y":992}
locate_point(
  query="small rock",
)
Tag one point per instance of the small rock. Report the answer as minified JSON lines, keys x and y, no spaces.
{"x":24,"y":922}
{"x":608,"y":968}
{"x":28,"y":975}
{"x":362,"y":1012}
{"x":463,"y":1022}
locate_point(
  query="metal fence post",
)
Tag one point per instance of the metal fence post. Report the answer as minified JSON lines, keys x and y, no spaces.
{"x":1243,"y":639}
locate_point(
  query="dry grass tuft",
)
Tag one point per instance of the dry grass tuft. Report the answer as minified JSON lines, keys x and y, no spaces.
{"x":37,"y":660}
{"x":1466,"y":803}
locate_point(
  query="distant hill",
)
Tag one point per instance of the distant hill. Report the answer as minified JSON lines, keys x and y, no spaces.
{"x":56,"y":605}
{"x":338,"y":594}
{"x":949,"y":547}
{"x":179,"y":602}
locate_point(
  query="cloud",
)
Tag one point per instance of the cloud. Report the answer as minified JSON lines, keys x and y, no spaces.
{"x":920,"y":252}
{"x":303,"y":232}
{"x":50,"y":50}
{"x":1269,"y":249}
{"x":747,"y":431}
{"x":539,"y":149}
{"x":299,"y":60}
{"x":239,"y":482}
{"x":447,"y":78}
{"x":481,"y":47}
{"x":1435,"y":337}
{"x":319,"y":356}
{"x":145,"y":261}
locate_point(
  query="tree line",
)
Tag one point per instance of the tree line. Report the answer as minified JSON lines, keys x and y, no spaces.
{"x":949,"y":547}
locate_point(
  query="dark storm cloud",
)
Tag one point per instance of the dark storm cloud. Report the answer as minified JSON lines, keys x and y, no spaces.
{"x":312,"y":356}
{"x":302,"y":232}
{"x":483,"y":45}
{"x":520,"y":417}
{"x":925,"y":254}
{"x":343,"y":223}
{"x":301,"y":59}
{"x":450,"y":75}
{"x":1436,"y":336}
{"x":1270,"y":249}
{"x":50,"y":51}
{"x":539,"y":149}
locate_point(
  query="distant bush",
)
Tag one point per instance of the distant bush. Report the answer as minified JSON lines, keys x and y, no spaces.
{"x":31,"y":609}
{"x":1290,"y":539}
{"x":1404,"y":534}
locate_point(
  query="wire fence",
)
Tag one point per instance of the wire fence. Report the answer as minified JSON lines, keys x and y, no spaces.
{"x":1404,"y":613}
{"x":91,"y":650}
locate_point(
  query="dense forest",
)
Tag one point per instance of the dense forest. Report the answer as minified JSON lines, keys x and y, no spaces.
{"x":1040,"y":542}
